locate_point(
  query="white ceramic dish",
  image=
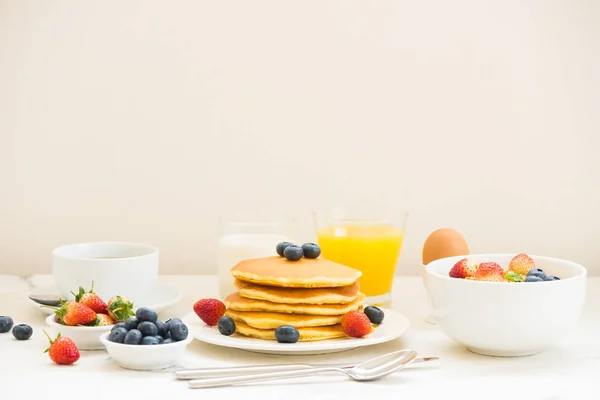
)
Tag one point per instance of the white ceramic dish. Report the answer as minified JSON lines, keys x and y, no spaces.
{"x":394,"y":325}
{"x":159,"y":298}
{"x":85,"y":337}
{"x":145,"y":358}
{"x":116,"y":268}
{"x":504,"y":318}
{"x":430,"y":319}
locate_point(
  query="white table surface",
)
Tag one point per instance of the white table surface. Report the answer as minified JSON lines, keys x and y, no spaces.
{"x":568,"y":370}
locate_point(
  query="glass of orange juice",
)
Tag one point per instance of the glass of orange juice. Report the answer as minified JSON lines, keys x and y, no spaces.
{"x":368,"y":242}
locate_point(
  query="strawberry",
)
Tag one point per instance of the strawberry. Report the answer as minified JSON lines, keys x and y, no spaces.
{"x":489,"y":271}
{"x":521,"y":264}
{"x":462,"y":269}
{"x":209,"y":310}
{"x":356,"y":324}
{"x":104,"y":320}
{"x":62,"y":350}
{"x":91,"y":299}
{"x":73,"y":313}
{"x":120,"y":308}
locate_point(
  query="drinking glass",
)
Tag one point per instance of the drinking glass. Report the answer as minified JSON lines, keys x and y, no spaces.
{"x":245,"y":236}
{"x":368,"y":241}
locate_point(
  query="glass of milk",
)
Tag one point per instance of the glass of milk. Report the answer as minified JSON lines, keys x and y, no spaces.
{"x":244,"y":237}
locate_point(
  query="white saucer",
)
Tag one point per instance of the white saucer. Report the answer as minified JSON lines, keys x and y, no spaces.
{"x":160,"y":297}
{"x":394,"y":325}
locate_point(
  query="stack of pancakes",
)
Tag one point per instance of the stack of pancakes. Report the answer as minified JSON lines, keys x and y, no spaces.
{"x":312,"y":295}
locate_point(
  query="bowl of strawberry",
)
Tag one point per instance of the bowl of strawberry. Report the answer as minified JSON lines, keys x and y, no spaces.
{"x":85,"y":318}
{"x":144,"y":342}
{"x":506,"y":304}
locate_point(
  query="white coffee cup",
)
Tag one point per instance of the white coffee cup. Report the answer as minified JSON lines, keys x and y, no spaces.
{"x":116,"y":268}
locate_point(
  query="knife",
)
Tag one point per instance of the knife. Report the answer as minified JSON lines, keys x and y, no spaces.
{"x":199,"y":373}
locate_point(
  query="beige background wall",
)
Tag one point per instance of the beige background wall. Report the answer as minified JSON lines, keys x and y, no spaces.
{"x":145,"y":120}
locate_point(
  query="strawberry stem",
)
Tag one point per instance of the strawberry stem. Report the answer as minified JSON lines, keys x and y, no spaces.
{"x":50,"y":340}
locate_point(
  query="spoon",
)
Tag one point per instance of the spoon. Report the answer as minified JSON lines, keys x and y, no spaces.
{"x":369,"y":370}
{"x":48,"y":300}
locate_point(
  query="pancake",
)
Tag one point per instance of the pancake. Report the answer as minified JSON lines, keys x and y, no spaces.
{"x":304,"y":273}
{"x":238,"y":303}
{"x":306,"y":334}
{"x":268,"y":320}
{"x":336,"y":295}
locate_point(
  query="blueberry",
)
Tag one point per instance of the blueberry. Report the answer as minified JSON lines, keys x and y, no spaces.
{"x":286,"y":334}
{"x":282,"y":246}
{"x":131,"y":323}
{"x":149,"y":340}
{"x":537,"y":272}
{"x":119,"y":325}
{"x":117,"y":335}
{"x":146,"y":314}
{"x":533,"y":278}
{"x":161,"y":340}
{"x":178,"y":331}
{"x":162,"y":328}
{"x":226,"y":326}
{"x":311,"y":250}
{"x":148,"y":328}
{"x":172,"y":321}
{"x":553,"y":278}
{"x":374,"y":314}
{"x":168,"y":340}
{"x":22,"y":331}
{"x":133,"y":337}
{"x":6,"y":323}
{"x":293,"y":253}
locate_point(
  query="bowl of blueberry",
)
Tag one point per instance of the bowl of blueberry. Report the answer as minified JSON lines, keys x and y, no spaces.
{"x":144,"y":342}
{"x":506,"y":304}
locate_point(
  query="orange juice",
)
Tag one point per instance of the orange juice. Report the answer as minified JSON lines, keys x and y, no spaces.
{"x":372,"y":249}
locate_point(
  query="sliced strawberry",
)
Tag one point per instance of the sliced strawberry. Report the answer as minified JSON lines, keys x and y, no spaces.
{"x":356,"y":324}
{"x":489,"y":271}
{"x":521,"y":264}
{"x":462,"y":269}
{"x":209,"y":310}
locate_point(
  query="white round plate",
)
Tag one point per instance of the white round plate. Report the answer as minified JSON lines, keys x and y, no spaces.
{"x":160,"y":298}
{"x":394,"y":325}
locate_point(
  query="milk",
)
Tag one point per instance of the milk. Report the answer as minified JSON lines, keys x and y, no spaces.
{"x":233,"y":248}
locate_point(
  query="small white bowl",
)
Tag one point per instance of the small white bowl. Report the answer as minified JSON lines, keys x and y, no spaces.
{"x":145,"y":357}
{"x":506,"y":318}
{"x":85,"y":337}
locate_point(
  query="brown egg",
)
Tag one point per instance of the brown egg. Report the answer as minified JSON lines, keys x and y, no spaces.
{"x":444,"y":242}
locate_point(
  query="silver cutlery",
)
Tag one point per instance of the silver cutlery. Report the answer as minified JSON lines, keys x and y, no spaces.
{"x":49,"y":300}
{"x":200,"y":373}
{"x":369,"y":370}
